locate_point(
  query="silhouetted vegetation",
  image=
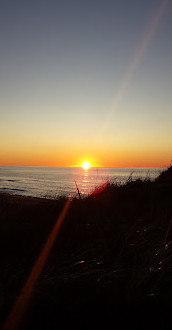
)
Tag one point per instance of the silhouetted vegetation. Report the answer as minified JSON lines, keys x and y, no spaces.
{"x":112,"y":261}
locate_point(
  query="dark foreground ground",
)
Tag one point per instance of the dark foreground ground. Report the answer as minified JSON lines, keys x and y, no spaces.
{"x":111,"y":264}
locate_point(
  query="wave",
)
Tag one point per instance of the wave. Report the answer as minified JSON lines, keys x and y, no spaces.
{"x":13,"y":189}
{"x":10,"y":180}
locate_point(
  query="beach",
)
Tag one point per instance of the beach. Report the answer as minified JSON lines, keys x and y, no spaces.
{"x":85,"y":165}
{"x":109,"y":263}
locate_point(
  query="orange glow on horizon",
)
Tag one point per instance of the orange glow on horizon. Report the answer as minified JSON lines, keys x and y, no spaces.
{"x":159,"y":162}
{"x":119,"y":156}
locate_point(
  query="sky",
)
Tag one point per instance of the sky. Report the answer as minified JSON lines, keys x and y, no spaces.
{"x":86,"y":80}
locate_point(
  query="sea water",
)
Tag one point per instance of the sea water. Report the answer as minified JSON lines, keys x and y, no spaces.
{"x":51,"y":182}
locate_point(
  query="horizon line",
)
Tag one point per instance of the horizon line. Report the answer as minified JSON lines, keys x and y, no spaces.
{"x":74,"y":166}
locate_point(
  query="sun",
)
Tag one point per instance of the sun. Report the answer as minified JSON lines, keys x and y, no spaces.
{"x":86,"y":165}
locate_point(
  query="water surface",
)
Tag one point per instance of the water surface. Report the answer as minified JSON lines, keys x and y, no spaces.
{"x":54,"y":181}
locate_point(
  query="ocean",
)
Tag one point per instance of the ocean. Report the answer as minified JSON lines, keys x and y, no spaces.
{"x":52,"y":182}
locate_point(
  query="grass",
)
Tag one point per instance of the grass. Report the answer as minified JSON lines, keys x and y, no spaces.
{"x":112,"y":261}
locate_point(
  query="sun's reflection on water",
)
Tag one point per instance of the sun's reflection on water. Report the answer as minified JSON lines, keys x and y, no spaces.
{"x":90,"y":180}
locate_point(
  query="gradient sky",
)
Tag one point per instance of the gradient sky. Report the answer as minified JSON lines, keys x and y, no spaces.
{"x":86,"y":80}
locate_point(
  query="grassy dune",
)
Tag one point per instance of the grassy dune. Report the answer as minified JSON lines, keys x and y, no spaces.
{"x":111,"y":263}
